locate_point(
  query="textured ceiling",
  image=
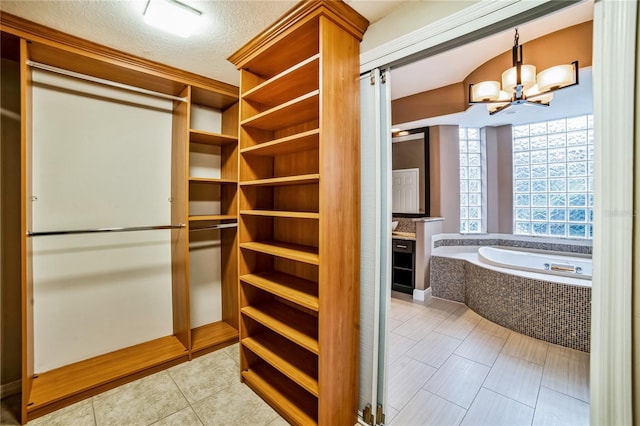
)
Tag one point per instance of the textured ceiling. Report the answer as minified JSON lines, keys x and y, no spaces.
{"x":226,"y":26}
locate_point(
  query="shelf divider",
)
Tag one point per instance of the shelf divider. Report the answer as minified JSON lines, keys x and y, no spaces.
{"x":286,"y":180}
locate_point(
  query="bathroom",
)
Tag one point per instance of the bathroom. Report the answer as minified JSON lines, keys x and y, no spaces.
{"x":469,"y":189}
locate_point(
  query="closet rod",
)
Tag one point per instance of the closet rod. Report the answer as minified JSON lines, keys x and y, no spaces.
{"x":103,"y":81}
{"x":98,"y":230}
{"x":220,"y":226}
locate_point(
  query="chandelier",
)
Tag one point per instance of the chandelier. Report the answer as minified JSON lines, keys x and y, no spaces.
{"x":520,"y":85}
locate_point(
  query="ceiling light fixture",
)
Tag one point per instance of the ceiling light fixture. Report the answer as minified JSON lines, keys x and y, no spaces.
{"x":172,"y":16}
{"x":520,"y":84}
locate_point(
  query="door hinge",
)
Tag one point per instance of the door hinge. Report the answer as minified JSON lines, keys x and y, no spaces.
{"x":367,"y":415}
{"x":379,"y":415}
{"x":372,"y":79}
{"x":383,"y":77}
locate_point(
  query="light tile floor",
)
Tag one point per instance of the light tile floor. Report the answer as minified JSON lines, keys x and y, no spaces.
{"x":446,"y":366}
{"x":449,"y":366}
{"x":206,"y":391}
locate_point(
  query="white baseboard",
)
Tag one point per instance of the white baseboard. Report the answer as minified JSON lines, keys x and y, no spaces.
{"x":11,"y":388}
{"x":421,"y":294}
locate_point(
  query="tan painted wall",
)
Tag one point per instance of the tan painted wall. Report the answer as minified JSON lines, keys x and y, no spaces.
{"x":543,"y":52}
{"x":10,"y":351}
{"x":445,"y":176}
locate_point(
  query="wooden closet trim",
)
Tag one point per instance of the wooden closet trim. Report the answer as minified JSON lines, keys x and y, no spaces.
{"x":337,"y":11}
{"x":121,"y":63}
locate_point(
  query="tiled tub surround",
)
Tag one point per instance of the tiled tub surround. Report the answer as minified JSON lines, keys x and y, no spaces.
{"x":551,"y":308}
{"x":580,"y":246}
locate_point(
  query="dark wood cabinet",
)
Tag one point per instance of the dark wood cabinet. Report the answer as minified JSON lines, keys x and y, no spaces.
{"x":404,"y":264}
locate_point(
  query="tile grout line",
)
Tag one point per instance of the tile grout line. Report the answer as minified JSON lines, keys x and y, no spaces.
{"x":93,"y":410}
{"x":185,"y":398}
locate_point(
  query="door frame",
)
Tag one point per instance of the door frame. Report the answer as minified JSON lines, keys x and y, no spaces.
{"x":615,"y":35}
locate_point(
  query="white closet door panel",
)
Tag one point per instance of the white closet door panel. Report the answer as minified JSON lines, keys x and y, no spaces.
{"x":101,"y":158}
{"x":94,"y":294}
{"x":205,"y":277}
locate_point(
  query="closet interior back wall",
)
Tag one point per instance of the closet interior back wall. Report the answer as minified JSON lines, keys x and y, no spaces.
{"x":205,"y":276}
{"x":101,"y":158}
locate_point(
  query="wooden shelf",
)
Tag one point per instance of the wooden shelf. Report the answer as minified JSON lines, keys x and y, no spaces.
{"x":297,"y":80}
{"x":287,"y":180}
{"x":304,"y":141}
{"x":73,"y":379}
{"x":212,"y":217}
{"x":278,"y":213}
{"x":290,"y":323}
{"x":211,"y":180}
{"x":214,"y":334}
{"x":294,"y":289}
{"x":296,"y":111}
{"x":297,"y":364}
{"x":209,"y":138}
{"x":292,"y":405}
{"x":300,"y":253}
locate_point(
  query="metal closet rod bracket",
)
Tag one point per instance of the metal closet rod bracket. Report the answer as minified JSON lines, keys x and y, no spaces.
{"x":102,"y":230}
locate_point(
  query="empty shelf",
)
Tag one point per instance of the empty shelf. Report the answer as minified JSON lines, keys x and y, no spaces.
{"x":291,"y":360}
{"x":73,"y":379}
{"x":300,"y":328}
{"x":210,"y":180}
{"x":279,"y":213}
{"x":209,"y":138}
{"x":300,"y":253}
{"x":301,"y":78}
{"x":213,"y":334}
{"x":294,"y":289}
{"x":286,"y":180}
{"x":304,"y":141}
{"x":296,"y":407}
{"x":296,"y":111}
{"x":212,"y":217}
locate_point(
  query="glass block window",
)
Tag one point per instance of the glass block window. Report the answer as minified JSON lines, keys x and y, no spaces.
{"x":553,"y":178}
{"x":472,"y":171}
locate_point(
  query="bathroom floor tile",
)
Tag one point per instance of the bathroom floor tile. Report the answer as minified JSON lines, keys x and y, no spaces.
{"x":205,"y":375}
{"x":426,"y":408}
{"x":440,"y":308}
{"x":10,"y":410}
{"x":232,"y":351}
{"x":488,"y":327}
{"x":527,"y":348}
{"x":398,"y":346}
{"x":492,"y":409}
{"x":516,"y":378}
{"x":481,"y":347}
{"x":459,"y":324}
{"x":235,"y":405}
{"x":417,"y":327}
{"x":404,"y":378}
{"x":142,"y":402}
{"x":557,"y":409}
{"x":458,"y":380}
{"x":567,"y":371}
{"x":434,"y":349}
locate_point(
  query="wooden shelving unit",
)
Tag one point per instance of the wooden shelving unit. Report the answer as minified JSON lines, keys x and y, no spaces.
{"x":299,"y":213}
{"x":212,"y":187}
{"x":46,"y":391}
